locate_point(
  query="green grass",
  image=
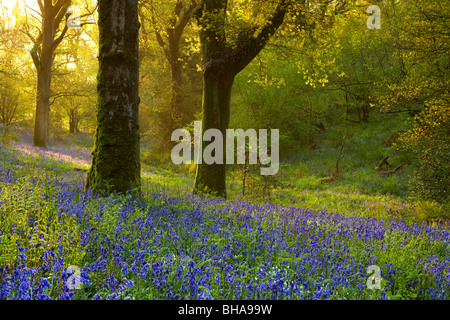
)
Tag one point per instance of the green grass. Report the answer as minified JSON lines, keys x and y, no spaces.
{"x":40,"y":192}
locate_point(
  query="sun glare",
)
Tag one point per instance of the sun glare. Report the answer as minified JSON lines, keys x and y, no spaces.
{"x":11,"y":4}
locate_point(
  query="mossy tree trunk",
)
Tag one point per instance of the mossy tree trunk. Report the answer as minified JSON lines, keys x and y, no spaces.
{"x":222,"y":61}
{"x":211,"y":178}
{"x":116,"y":160}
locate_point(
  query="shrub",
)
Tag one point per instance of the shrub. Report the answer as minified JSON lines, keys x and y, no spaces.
{"x":430,"y":211}
{"x":432,"y":177}
{"x":430,"y":140}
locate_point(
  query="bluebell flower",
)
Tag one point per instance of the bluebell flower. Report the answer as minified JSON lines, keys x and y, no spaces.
{"x":97,"y":297}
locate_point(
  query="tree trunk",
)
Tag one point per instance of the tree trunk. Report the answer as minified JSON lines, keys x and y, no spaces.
{"x":365,"y":112}
{"x":73,"y":121}
{"x":176,"y":114}
{"x":116,"y":163}
{"x":44,"y":78}
{"x":176,"y":104}
{"x":216,"y":115}
{"x":222,"y":61}
{"x":42,"y":53}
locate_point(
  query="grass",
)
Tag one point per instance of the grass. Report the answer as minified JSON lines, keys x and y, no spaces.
{"x":310,"y":241}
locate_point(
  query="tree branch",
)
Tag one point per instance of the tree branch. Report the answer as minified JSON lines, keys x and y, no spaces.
{"x":211,"y":16}
{"x":60,"y":4}
{"x":41,"y":5}
{"x":61,"y":13}
{"x":58,"y":40}
{"x":35,"y":56}
{"x":184,"y":19}
{"x":249,"y":48}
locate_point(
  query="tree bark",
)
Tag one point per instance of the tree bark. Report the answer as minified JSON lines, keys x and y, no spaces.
{"x":40,"y":136}
{"x":216,"y":114}
{"x":43,"y":55}
{"x":222,"y":61}
{"x":73,"y":121}
{"x":116,"y":163}
{"x":44,"y":68}
{"x":176,"y":103}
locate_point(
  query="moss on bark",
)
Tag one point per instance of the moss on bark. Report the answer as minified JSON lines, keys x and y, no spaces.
{"x":216,"y":115}
{"x":116,"y":157}
{"x":222,"y":61}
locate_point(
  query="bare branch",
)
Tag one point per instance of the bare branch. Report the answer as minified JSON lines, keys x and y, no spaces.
{"x":39,"y":13}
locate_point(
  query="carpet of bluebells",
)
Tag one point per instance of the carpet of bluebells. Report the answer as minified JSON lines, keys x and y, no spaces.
{"x":58,"y":241}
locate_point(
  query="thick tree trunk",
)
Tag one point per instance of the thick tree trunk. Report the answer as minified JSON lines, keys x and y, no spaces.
{"x":222,"y":61}
{"x":42,"y":53}
{"x":216,"y":115}
{"x":42,"y":109}
{"x":116,"y":160}
{"x":44,"y":69}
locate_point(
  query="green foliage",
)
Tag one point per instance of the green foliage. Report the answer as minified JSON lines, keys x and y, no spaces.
{"x":431,"y":211}
{"x":37,"y":225}
{"x":410,"y":278}
{"x":7,"y":135}
{"x":8,"y":248}
{"x":396,"y":251}
{"x":432,"y":178}
{"x":430,"y":141}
